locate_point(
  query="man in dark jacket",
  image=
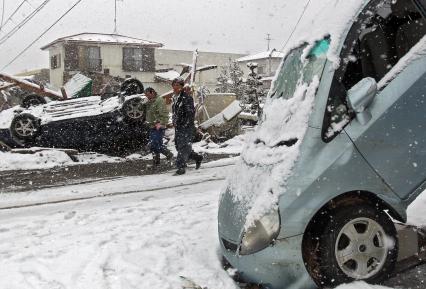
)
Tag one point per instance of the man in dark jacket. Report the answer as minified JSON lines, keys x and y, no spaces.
{"x":183,"y":121}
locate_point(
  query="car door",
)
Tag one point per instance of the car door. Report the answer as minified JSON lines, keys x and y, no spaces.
{"x":394,"y":141}
{"x":386,"y":43}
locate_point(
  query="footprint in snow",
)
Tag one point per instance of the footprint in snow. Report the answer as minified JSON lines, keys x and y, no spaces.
{"x":70,"y":215}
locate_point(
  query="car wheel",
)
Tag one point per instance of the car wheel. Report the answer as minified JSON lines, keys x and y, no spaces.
{"x":32,"y":100}
{"x":131,"y":86}
{"x":358,"y":243}
{"x":25,"y":127}
{"x":133,"y":110}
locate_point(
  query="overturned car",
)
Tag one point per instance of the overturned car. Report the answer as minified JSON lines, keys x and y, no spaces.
{"x":114,"y":125}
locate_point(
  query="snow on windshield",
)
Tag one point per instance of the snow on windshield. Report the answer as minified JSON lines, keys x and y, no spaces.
{"x":268,"y":158}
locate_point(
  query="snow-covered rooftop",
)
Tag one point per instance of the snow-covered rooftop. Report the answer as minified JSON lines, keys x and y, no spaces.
{"x":167,"y":76}
{"x":103,"y":39}
{"x":262,"y":55}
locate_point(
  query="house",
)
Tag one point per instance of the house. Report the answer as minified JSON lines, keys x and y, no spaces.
{"x":268,"y":62}
{"x":106,"y":56}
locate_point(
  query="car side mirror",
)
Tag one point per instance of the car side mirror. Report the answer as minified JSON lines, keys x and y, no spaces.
{"x":360,"y":96}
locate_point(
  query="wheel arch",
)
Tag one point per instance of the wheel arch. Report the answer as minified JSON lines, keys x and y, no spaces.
{"x":354,"y":198}
{"x":318,"y":222}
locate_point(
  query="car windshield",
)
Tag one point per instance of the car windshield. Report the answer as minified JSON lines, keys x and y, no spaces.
{"x":296,"y":70}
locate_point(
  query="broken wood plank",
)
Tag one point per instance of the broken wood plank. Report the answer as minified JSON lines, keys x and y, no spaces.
{"x":6,"y":86}
{"x":26,"y":85}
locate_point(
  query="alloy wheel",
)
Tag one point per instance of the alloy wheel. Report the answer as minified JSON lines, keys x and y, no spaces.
{"x":25,"y":127}
{"x":134,"y":110}
{"x":361,"y":248}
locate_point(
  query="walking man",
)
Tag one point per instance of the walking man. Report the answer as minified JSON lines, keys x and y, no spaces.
{"x":157,"y":117}
{"x":183,"y":121}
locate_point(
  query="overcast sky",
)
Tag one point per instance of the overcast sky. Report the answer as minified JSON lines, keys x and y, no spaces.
{"x":209,"y":25}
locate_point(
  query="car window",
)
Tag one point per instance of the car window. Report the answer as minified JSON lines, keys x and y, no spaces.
{"x":384,"y":32}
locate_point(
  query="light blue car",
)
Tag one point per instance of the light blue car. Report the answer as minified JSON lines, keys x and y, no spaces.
{"x":340,"y":150}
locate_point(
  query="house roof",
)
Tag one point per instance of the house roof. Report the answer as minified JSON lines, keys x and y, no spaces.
{"x":101,"y":38}
{"x":262,"y":55}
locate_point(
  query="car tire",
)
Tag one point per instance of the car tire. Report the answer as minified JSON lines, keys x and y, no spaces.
{"x":133,"y":110}
{"x":25,"y":127}
{"x":358,"y":243}
{"x":131,"y":86}
{"x":33,"y":100}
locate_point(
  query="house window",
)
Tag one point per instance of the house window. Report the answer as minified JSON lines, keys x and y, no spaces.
{"x":132,"y":59}
{"x":55,"y":61}
{"x":93,"y":59}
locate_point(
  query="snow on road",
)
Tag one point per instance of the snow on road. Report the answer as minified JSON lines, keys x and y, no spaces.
{"x":133,"y":232}
{"x":138,"y":240}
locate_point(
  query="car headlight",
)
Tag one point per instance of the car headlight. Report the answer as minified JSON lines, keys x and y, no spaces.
{"x":261,"y":234}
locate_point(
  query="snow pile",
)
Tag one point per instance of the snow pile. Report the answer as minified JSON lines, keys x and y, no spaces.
{"x":233,"y":146}
{"x":94,"y":158}
{"x":49,"y":158}
{"x":40,"y":160}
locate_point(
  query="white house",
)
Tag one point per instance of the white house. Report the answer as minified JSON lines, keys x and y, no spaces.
{"x":99,"y":55}
{"x":268,"y":62}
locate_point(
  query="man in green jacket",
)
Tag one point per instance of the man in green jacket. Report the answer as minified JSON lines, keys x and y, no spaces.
{"x":157,"y":117}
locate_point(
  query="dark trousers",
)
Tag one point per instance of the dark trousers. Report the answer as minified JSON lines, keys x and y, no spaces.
{"x":183,"y":142}
{"x":156,"y":145}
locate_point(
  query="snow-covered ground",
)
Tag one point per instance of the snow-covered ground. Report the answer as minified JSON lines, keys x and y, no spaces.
{"x":132,"y":232}
{"x":51,"y":158}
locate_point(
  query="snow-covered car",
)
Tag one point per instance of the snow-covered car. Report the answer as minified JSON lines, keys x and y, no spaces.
{"x":339,"y":153}
{"x":111,"y":125}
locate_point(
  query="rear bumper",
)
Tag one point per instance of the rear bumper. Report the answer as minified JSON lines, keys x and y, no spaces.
{"x":279,"y":266}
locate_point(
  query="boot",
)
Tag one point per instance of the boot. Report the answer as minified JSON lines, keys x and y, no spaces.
{"x":168,"y":154}
{"x":198,"y":162}
{"x":156,"y":159}
{"x":179,"y":172}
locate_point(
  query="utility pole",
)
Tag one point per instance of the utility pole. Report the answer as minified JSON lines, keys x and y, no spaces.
{"x":268,"y":38}
{"x":115,"y":16}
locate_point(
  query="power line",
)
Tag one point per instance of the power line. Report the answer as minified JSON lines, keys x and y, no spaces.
{"x":13,"y":14}
{"x":297,"y":24}
{"x":23,"y":22}
{"x":41,"y":35}
{"x":28,"y":2}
